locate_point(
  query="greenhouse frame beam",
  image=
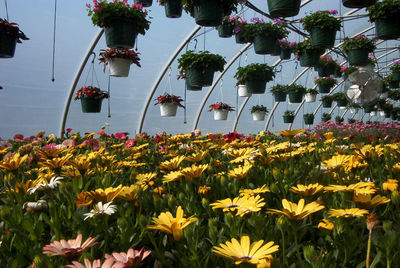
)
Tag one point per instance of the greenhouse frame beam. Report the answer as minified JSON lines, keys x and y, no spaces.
{"x":76,"y":80}
{"x":162,"y":73}
{"x":241,"y":51}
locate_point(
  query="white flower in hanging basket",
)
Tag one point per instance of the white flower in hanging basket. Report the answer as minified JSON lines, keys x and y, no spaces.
{"x":221,"y":110}
{"x":243,"y":92}
{"x":119,"y":61}
{"x":169,"y":104}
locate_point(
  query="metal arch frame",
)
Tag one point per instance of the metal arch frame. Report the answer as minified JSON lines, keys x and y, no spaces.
{"x":231,"y":62}
{"x":222,"y":74}
{"x":299,"y":76}
{"x":76,"y":80}
{"x":162,"y":73}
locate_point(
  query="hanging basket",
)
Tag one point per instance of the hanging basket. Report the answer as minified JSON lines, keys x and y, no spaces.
{"x":358,"y":57}
{"x":208,"y":12}
{"x":308,"y":120}
{"x":341,"y":103}
{"x":7,"y":45}
{"x":91,"y":105}
{"x":225,"y":30}
{"x":309,"y":59}
{"x":382,"y":113}
{"x":283,"y":8}
{"x":287,"y":119}
{"x":200,"y":78}
{"x":327,"y":103}
{"x":279,"y":96}
{"x":310,"y":97}
{"x":372,"y":113}
{"x":264,"y":44}
{"x":387,"y":29}
{"x":285,"y":54}
{"x":295,"y":97}
{"x":396,"y":76}
{"x":256,"y":86}
{"x":145,"y":3}
{"x":368,"y":110}
{"x":277,"y":50}
{"x":259,"y":116}
{"x":325,"y":119}
{"x":326,"y":71}
{"x":190,"y":87}
{"x":240,"y":39}
{"x":337,"y":73}
{"x":324,"y":88}
{"x":393,"y":84}
{"x":358,"y":3}
{"x":243,"y":92}
{"x":322,"y":38}
{"x":168,"y":109}
{"x":119,"y":67}
{"x":220,"y":114}
{"x":173,"y":8}
{"x":122,"y":34}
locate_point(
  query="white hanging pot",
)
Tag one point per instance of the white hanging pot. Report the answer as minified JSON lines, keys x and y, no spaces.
{"x":119,"y":67}
{"x":168,"y":109}
{"x":310,"y":97}
{"x":220,"y":114}
{"x":372,"y":113}
{"x":369,"y":68}
{"x":382,"y":113}
{"x":259,"y":116}
{"x":243,"y":92}
{"x":342,"y":107}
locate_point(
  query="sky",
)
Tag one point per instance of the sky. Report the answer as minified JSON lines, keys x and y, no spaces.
{"x":30,"y":101}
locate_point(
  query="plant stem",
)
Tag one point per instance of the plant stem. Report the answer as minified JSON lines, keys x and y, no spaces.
{"x":283,"y":248}
{"x":368,"y":249}
{"x":297,"y":247}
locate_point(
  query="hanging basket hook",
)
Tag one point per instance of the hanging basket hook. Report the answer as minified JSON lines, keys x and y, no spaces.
{"x":280,"y":69}
{"x":94,"y":56}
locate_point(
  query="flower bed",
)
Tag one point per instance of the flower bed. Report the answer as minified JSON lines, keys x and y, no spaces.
{"x":186,"y":197}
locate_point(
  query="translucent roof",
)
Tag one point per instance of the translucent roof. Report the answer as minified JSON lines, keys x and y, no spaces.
{"x":30,"y":101}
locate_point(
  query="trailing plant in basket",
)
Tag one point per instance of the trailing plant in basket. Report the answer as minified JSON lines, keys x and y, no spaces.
{"x":107,"y":54}
{"x":279,"y":88}
{"x":104,"y":14}
{"x":295,"y":88}
{"x":201,"y":60}
{"x":288,"y":113}
{"x":255,"y":71}
{"x":396,"y":66}
{"x":305,"y":47}
{"x":322,"y":19}
{"x":228,"y":6}
{"x":259,"y":26}
{"x":92,"y":92}
{"x":326,"y":98}
{"x":387,"y":9}
{"x":389,"y":79}
{"x":312,"y":91}
{"x":258,"y":108}
{"x":285,"y":44}
{"x":348,"y":70}
{"x":328,"y":81}
{"x":326,"y":116}
{"x":167,"y":98}
{"x":221,"y":106}
{"x":327,"y":61}
{"x":358,"y":42}
{"x":12,"y":29}
{"x":339,"y":96}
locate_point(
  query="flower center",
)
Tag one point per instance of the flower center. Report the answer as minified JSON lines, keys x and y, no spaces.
{"x":246,"y":258}
{"x":233,"y":206}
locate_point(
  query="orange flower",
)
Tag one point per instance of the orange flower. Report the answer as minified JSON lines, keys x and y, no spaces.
{"x":83,"y":200}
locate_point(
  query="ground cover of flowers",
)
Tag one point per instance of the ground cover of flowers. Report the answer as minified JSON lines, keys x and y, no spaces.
{"x":323,"y":198}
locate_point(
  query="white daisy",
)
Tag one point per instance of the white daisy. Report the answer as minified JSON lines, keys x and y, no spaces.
{"x":54,"y":182}
{"x":101,"y":208}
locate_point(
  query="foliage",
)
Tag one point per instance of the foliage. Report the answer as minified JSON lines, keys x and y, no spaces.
{"x":92,"y":92}
{"x":279,"y":88}
{"x":326,"y":97}
{"x":394,"y":94}
{"x":312,"y":91}
{"x":309,"y":115}
{"x":228,"y":6}
{"x":167,"y":98}
{"x":288,"y":113}
{"x":258,"y":108}
{"x":339,"y":119}
{"x":296,"y":88}
{"x":255,"y":71}
{"x":12,"y":29}
{"x":202,"y":60}
{"x":275,"y":29}
{"x":107,"y":54}
{"x":359,"y":42}
{"x":395,"y":66}
{"x":285,"y":44}
{"x":321,"y":19}
{"x":329,"y":81}
{"x":327,"y":116}
{"x":221,"y":106}
{"x":305,"y":46}
{"x":351,"y":120}
{"x":327,"y":61}
{"x":348,"y":70}
{"x":386,"y":9}
{"x":389,"y":79}
{"x":338,"y":96}
{"x":105,"y":14}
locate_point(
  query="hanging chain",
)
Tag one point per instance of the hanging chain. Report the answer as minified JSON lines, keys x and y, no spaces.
{"x":204,"y":38}
{"x":54,"y":40}
{"x":169,"y":80}
{"x":5,"y":2}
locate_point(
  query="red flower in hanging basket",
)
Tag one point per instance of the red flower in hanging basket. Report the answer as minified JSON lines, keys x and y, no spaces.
{"x":221,"y":106}
{"x":167,"y":98}
{"x":90,"y":91}
{"x":107,"y":54}
{"x":12,"y":29}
